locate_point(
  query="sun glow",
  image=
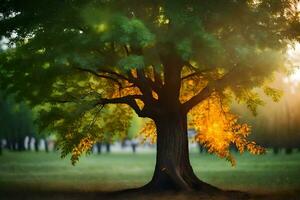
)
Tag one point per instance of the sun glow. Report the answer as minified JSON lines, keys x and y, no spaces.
{"x":295,"y":76}
{"x":293,"y":55}
{"x":293,"y":80}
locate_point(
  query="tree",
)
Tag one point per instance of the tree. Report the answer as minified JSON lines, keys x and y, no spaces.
{"x":16,"y":123}
{"x":162,"y":59}
{"x":4,"y":115}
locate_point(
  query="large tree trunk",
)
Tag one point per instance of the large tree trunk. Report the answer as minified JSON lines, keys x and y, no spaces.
{"x":173,"y":170}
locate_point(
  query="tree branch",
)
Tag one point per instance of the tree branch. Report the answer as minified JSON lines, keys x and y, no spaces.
{"x":120,"y":76}
{"x":213,"y":85}
{"x":144,"y":84}
{"x":202,"y":95}
{"x":100,"y":75}
{"x":196,"y":71}
{"x":129,"y":100}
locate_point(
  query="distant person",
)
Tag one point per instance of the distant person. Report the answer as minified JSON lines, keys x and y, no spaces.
{"x":99,"y":147}
{"x":134,"y":143}
{"x":107,"y":145}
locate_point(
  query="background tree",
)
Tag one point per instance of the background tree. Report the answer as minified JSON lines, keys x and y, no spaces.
{"x":5,"y":115}
{"x":159,"y":58}
{"x":16,"y":123}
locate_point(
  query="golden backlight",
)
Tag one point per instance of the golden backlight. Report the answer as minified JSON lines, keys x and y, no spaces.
{"x":293,"y":79}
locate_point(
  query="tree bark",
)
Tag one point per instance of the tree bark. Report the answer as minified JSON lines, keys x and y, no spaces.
{"x":173,"y":170}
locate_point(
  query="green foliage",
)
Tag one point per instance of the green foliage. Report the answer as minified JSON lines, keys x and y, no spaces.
{"x":252,"y":100}
{"x":184,"y":48}
{"x":132,"y":62}
{"x":275,"y":94}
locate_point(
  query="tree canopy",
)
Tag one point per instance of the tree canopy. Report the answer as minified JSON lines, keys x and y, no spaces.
{"x":76,"y":59}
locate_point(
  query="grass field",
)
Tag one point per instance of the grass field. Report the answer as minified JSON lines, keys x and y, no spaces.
{"x":31,"y":172}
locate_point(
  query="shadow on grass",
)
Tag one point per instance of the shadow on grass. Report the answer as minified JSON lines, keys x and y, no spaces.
{"x":39,"y":194}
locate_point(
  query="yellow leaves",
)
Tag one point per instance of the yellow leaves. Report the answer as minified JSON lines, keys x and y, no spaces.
{"x":154,"y":95}
{"x":127,"y":90}
{"x":148,"y":131}
{"x":140,"y":103}
{"x":253,"y":148}
{"x":84,"y":145}
{"x":217,"y":129}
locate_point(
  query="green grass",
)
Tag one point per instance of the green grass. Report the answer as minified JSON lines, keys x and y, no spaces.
{"x":42,"y":171}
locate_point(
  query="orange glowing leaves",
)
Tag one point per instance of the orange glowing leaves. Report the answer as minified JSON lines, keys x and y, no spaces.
{"x":126,"y":90}
{"x":217,"y":129}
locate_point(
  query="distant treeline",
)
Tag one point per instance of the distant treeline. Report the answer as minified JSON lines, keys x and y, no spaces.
{"x":16,"y":122}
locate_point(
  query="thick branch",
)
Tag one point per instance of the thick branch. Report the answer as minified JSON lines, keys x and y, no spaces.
{"x":129,"y":100}
{"x":147,"y":84}
{"x":202,"y":95}
{"x":144,"y":84}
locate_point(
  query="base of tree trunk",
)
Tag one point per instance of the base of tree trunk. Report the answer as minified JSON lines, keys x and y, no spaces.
{"x":204,"y":191}
{"x":198,"y":187}
{"x":166,"y":180}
